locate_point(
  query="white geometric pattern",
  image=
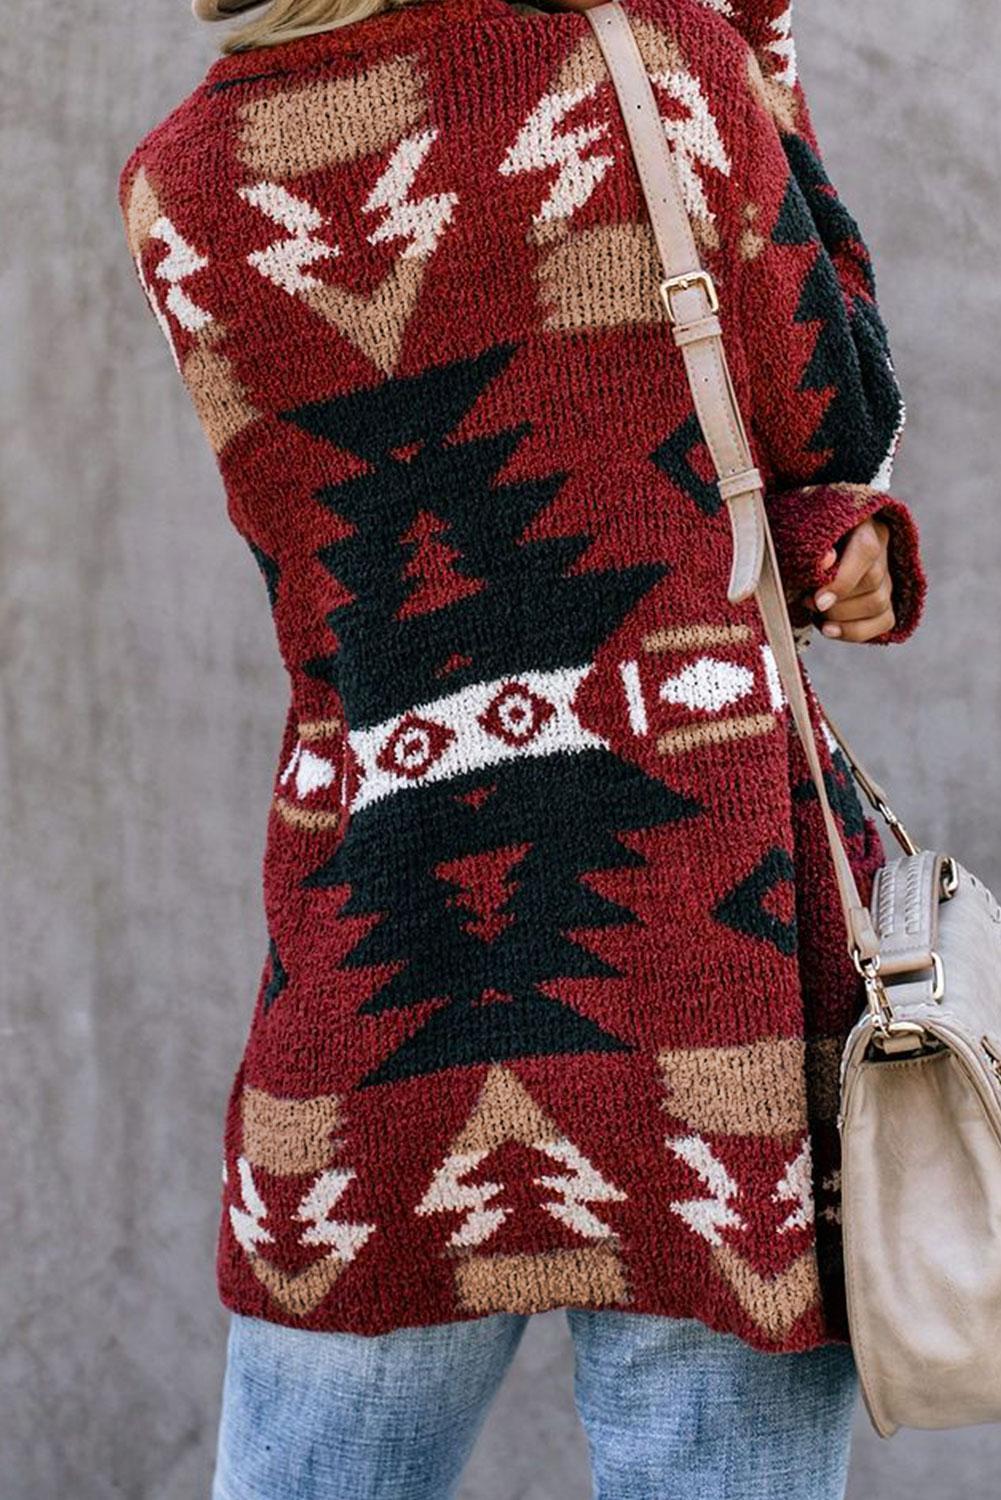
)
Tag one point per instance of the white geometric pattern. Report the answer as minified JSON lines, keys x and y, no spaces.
{"x":422,"y":221}
{"x":776,"y":692}
{"x":448,"y":1193}
{"x":796,"y":1186}
{"x":343,"y":1239}
{"x":580,"y":1185}
{"x":312,"y":772}
{"x":706,"y":1216}
{"x":284,"y":262}
{"x":247,"y":1221}
{"x":695,"y":138}
{"x":708,"y":684}
{"x":541,"y":146}
{"x":783,"y":47}
{"x":883,"y":477}
{"x":470,"y":730}
{"x":181,"y":261}
{"x":825,"y":730}
{"x":632,"y":685}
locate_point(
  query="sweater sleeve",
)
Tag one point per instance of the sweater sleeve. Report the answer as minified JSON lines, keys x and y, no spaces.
{"x":827,"y":412}
{"x":186,"y":282}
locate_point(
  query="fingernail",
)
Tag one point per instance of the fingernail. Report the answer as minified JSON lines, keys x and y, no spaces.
{"x":825,"y":599}
{"x":831,"y":629}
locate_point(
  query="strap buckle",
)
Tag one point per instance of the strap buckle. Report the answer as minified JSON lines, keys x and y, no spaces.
{"x":878,"y":1000}
{"x":684,"y":283}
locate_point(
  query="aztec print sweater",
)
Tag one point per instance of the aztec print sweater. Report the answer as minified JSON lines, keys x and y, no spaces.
{"x":556,"y":982}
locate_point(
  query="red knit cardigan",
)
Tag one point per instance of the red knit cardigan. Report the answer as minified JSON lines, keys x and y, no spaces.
{"x":556,"y":982}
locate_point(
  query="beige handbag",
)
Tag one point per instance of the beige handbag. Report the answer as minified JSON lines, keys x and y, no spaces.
{"x":920,"y":1115}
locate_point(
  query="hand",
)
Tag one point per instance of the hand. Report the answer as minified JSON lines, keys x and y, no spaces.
{"x":858,"y":602}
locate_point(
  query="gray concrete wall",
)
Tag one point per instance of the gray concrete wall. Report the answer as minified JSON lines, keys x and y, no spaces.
{"x":142,"y":701}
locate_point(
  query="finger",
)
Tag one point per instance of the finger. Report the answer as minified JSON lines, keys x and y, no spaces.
{"x":862,"y":606}
{"x":861,"y":630}
{"x":875,"y":578}
{"x":863,"y":552}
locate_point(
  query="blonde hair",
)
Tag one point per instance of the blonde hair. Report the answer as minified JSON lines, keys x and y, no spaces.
{"x":285,"y":19}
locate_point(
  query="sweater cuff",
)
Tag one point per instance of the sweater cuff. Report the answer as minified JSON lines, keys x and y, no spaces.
{"x":806,"y":523}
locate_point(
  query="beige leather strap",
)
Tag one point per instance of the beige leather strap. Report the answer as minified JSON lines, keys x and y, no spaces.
{"x":690,"y":303}
{"x":906,"y":905}
{"x":690,"y":298}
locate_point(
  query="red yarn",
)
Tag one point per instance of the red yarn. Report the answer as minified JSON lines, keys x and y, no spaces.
{"x":556,"y":983}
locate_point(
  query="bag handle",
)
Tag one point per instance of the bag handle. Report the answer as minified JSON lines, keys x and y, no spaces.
{"x":692,"y":305}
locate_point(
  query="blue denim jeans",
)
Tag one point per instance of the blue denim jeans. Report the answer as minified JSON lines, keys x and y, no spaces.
{"x":672,"y":1411}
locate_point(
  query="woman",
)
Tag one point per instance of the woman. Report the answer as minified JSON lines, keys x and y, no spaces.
{"x":556,"y":985}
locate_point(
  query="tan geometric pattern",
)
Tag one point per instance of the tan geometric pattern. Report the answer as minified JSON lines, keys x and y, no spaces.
{"x":781,"y":101}
{"x":334,"y":121}
{"x":221,"y":403}
{"x":602,"y":277}
{"x":291,"y":1138}
{"x":775,"y":1303}
{"x":591,"y":1276}
{"x":691,"y":736}
{"x":288,"y":1137}
{"x":505,"y":1111}
{"x":375,"y":324}
{"x":696,"y":637}
{"x":329,"y":123}
{"x":223,"y":406}
{"x":583,"y":69}
{"x":142,"y":211}
{"x":759,"y":1089}
{"x":310,"y":819}
{"x":320,"y":729}
{"x":298,"y":1294}
{"x":751,"y":243}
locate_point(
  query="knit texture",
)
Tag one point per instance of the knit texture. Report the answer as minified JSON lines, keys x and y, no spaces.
{"x":556,"y":982}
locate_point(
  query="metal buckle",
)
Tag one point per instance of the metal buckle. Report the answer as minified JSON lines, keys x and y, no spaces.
{"x":950,"y":878}
{"x":881,"y":1011}
{"x":895,"y":826}
{"x":875,"y":992}
{"x":683,"y":283}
